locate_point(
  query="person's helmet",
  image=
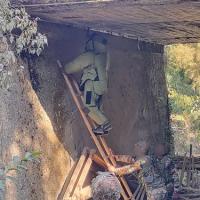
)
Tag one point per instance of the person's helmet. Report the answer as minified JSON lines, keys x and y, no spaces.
{"x":96,"y":43}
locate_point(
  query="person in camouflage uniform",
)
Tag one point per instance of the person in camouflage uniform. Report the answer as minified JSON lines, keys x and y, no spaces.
{"x":94,"y":64}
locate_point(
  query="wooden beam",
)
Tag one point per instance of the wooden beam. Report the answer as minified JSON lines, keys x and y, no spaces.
{"x":183,"y":169}
{"x":66,"y":183}
{"x":122,"y":179}
{"x":84,"y":174}
{"x":99,"y":161}
{"x":75,"y":175}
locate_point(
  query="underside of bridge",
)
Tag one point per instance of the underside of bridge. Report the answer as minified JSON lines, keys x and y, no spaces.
{"x":156,"y":21}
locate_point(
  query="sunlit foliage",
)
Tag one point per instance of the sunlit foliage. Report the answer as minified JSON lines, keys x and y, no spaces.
{"x":18,"y":34}
{"x":20,"y":29}
{"x":187,"y":58}
{"x":183,"y":77}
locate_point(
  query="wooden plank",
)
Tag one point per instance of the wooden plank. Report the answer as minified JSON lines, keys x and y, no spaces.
{"x":75,"y":175}
{"x":190,"y":166}
{"x":192,"y":171}
{"x":86,"y":193}
{"x":67,"y":182}
{"x":99,"y":161}
{"x":122,"y":179}
{"x":83,"y":174}
{"x":107,"y":150}
{"x":58,"y":4}
{"x":125,"y":184}
{"x":183,"y":169}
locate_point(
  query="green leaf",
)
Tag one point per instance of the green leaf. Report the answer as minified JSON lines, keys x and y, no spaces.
{"x":36,"y":154}
{"x":28,"y":156}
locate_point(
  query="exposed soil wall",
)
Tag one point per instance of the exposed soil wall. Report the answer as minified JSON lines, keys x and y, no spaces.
{"x":47,"y":120}
{"x":26,"y":126}
{"x":136,"y":102}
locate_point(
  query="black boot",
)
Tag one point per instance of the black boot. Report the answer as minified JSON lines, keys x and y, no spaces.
{"x":99,"y":130}
{"x":107,"y":127}
{"x":102,"y":129}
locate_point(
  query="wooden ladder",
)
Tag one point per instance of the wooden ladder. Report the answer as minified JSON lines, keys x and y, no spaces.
{"x":98,"y":140}
{"x":74,"y":188}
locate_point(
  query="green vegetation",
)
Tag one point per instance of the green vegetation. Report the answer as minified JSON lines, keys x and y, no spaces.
{"x":183,"y":78}
{"x":15,"y":165}
{"x":18,"y":35}
{"x":20,"y":30}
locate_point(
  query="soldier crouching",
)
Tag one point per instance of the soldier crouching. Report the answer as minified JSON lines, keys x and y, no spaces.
{"x":93,"y":64}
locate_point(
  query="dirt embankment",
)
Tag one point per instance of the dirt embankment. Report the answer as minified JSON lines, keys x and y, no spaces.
{"x":25,"y":126}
